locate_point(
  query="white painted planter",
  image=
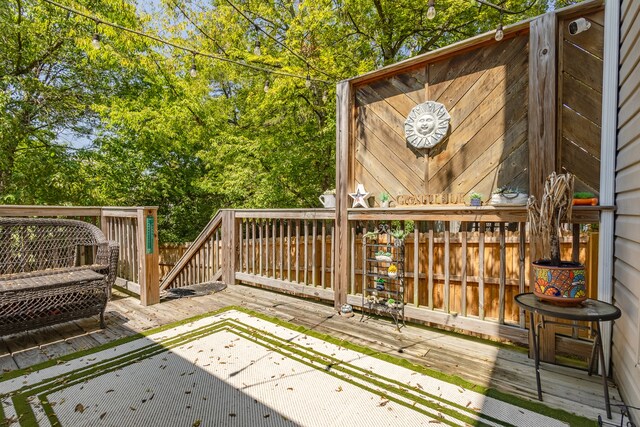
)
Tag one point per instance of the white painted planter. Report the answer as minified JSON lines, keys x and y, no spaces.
{"x":328,"y":200}
{"x":508,"y":199}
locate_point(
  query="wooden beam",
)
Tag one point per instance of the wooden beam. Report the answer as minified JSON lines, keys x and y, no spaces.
{"x":513,"y":30}
{"x":23,"y":210}
{"x":343,"y":137}
{"x":149,"y":269}
{"x":454,"y":321}
{"x":229,"y":247}
{"x":542,"y":101}
{"x":543,"y":61}
{"x":299,"y":289}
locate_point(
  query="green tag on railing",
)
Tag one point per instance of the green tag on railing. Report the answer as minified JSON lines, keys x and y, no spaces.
{"x":149,"y":234}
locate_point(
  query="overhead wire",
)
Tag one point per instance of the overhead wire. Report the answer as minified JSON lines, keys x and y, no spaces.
{"x":266,"y":33}
{"x":180,"y":47}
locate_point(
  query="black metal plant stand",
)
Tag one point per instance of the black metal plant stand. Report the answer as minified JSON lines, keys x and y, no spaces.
{"x":383,"y":290}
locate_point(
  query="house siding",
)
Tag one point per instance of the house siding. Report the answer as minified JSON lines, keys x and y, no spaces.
{"x":626,"y":330}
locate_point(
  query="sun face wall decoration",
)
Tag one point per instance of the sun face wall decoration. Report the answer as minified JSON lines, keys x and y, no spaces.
{"x":427,"y":124}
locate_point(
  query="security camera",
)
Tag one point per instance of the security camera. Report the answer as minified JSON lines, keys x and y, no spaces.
{"x":579,"y":25}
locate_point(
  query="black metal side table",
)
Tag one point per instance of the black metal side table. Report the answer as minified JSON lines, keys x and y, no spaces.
{"x":593,"y":311}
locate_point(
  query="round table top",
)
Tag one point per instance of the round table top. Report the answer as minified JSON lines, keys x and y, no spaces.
{"x":589,"y":310}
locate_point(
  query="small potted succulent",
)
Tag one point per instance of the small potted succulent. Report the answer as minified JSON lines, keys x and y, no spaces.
{"x":399,"y":235}
{"x":584,"y":198}
{"x":380,"y":282}
{"x":508,"y":196}
{"x":383,"y":256}
{"x":392,"y":271}
{"x":475,"y":199}
{"x":384,"y":200}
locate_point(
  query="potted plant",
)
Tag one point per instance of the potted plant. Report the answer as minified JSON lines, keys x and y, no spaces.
{"x":398,"y":236}
{"x":558,"y":281}
{"x":383,"y":256}
{"x":508,"y":196}
{"x":584,"y":198}
{"x":328,"y":198}
{"x":384,"y":200}
{"x":380,"y":282}
{"x":475,"y":199}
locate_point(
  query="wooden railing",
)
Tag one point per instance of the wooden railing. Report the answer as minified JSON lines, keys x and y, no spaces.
{"x":202,"y":261}
{"x":463,"y":266}
{"x":134,"y":228}
{"x":290,"y":250}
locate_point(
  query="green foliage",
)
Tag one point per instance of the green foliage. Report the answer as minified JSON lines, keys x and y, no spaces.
{"x":506,"y":190}
{"x":399,"y":233}
{"x":127,"y":125}
{"x":583,"y":195}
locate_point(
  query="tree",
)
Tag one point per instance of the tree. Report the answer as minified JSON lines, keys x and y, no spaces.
{"x":150,"y":134}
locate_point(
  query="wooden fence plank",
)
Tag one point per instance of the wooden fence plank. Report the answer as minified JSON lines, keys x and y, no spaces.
{"x":447,"y":268}
{"x":431,"y":267}
{"x":314,"y":263}
{"x":289,"y":250}
{"x":323,"y":249}
{"x":463,"y":269}
{"x":416,"y":264}
{"x":503,"y":274}
{"x":481,"y":310}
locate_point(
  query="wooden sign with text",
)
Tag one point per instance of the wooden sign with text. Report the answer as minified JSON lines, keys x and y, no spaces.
{"x":430,"y":199}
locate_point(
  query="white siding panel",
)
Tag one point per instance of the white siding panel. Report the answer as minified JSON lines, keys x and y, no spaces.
{"x":627,"y":203}
{"x":626,"y":330}
{"x":627,"y":34}
{"x":628,"y":179}
{"x":626,"y":275}
{"x":630,"y":107}
{"x":629,"y":133}
{"x":629,"y":228}
{"x":627,"y":251}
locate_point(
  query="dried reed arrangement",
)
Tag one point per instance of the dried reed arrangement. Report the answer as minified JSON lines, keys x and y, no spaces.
{"x":547,"y":217}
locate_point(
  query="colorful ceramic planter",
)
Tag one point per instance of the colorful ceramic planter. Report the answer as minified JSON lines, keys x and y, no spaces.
{"x":560,"y":285}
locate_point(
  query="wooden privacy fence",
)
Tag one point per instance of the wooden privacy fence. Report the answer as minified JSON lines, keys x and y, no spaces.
{"x":134,"y":228}
{"x":462,"y":269}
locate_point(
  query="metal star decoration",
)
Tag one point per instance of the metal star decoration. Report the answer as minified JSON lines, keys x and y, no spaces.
{"x":360,"y":197}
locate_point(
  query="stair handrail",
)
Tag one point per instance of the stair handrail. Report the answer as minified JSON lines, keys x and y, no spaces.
{"x":204,"y":235}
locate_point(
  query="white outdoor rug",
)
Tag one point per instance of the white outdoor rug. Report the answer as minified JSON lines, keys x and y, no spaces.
{"x":238,"y":368}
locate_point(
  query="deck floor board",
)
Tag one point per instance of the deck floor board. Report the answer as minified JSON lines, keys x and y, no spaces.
{"x":500,"y":367}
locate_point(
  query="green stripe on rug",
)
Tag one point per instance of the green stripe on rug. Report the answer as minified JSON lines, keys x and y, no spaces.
{"x":411,"y":397}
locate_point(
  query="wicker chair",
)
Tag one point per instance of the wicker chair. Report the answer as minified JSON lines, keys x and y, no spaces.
{"x":53,"y":271}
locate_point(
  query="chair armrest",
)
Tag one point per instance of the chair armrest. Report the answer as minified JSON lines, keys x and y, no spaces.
{"x":114,"y":254}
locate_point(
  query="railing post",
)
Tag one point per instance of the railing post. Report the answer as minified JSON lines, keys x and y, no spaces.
{"x":148,"y":255}
{"x":542,"y":134}
{"x":229,"y":247}
{"x":343,"y":128}
{"x":104,"y":224}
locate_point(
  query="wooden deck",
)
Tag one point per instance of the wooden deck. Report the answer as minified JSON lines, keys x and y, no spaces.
{"x":506,"y":369}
